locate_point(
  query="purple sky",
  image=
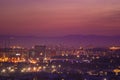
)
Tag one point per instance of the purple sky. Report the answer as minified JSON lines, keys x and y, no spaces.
{"x":59,"y":17}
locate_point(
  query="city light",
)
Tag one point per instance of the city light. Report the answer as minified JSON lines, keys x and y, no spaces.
{"x":34,"y":61}
{"x":59,"y":39}
{"x":3,"y":70}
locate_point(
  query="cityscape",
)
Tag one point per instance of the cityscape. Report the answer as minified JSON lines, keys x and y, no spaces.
{"x":59,"y":63}
{"x":59,"y":39}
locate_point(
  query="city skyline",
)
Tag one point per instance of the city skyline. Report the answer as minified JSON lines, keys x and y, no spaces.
{"x":67,"y":41}
{"x":59,"y":17}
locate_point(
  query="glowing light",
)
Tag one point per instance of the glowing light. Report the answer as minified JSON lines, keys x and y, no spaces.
{"x":105,"y":79}
{"x":41,"y":53}
{"x":34,"y":68}
{"x":53,"y":66}
{"x":44,"y":67}
{"x":45,"y":58}
{"x":54,"y":70}
{"x":3,"y":71}
{"x":12,"y":70}
{"x":39,"y":67}
{"x":78,"y":56}
{"x":29,"y":69}
{"x":18,"y":54}
{"x":37,"y":59}
{"x":114,"y":48}
{"x":66,"y":54}
{"x":23,"y":70}
{"x":59,"y":66}
{"x":116,"y":71}
{"x":62,"y":54}
{"x":33,"y":61}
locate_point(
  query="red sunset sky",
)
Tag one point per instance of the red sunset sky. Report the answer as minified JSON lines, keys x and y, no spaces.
{"x":59,"y":17}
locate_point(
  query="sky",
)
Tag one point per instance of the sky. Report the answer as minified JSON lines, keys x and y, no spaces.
{"x":59,"y":17}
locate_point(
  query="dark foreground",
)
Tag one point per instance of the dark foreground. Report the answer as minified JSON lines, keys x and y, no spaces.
{"x":56,"y":76}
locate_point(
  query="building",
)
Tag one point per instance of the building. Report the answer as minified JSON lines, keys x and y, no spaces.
{"x":40,"y":51}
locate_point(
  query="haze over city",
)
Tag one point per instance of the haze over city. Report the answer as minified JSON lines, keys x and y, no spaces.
{"x":59,"y":39}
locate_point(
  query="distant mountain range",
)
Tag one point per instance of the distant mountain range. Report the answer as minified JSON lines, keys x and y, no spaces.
{"x":69,"y":40}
